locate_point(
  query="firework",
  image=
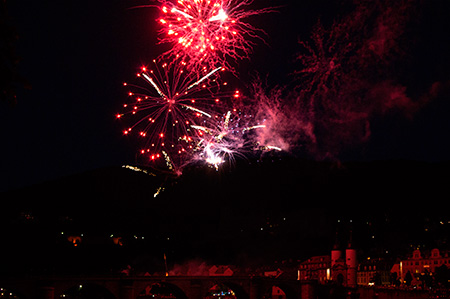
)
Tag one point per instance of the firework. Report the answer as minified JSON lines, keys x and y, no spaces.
{"x":207,"y":32}
{"x":324,"y":62}
{"x":181,"y":111}
{"x":172,"y":100}
{"x":232,"y":135}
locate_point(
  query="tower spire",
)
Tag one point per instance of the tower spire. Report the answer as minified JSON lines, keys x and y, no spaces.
{"x":350,"y":239}
{"x":336,"y":245}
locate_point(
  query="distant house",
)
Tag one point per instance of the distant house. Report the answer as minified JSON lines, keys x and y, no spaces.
{"x":220,"y":271}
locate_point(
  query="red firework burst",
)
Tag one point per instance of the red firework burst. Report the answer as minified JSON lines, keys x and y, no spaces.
{"x":172,"y":101}
{"x":207,"y":32}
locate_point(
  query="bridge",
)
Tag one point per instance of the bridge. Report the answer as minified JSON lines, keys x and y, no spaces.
{"x":135,"y":287}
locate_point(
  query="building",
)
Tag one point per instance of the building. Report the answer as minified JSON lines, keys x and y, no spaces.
{"x":415,"y":269}
{"x":220,"y":271}
{"x":344,"y":264}
{"x":373,"y":272}
{"x":315,"y":268}
{"x":340,"y":267}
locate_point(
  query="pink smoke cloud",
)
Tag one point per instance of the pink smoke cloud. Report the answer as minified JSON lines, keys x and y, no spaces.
{"x":346,"y":78}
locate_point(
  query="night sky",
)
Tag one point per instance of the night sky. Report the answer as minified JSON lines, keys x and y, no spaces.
{"x":63,"y":147}
{"x":76,"y":55}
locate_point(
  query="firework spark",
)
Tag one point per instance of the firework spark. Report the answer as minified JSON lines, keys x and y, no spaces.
{"x":172,"y":101}
{"x":232,"y":135}
{"x":207,"y":32}
{"x":181,"y":111}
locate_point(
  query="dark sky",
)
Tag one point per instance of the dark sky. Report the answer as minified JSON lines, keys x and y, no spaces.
{"x":76,"y":55}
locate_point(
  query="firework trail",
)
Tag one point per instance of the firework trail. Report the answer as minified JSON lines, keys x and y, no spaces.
{"x":172,"y":100}
{"x":205,"y":32}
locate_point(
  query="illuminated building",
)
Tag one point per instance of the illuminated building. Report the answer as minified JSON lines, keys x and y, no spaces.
{"x":421,"y":264}
{"x":373,"y":272}
{"x":315,"y":268}
{"x":341,"y":267}
{"x":344,"y":266}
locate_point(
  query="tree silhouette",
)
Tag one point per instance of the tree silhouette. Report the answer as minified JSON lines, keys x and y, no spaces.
{"x":408,"y":278}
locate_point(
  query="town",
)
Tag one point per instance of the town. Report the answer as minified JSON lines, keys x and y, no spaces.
{"x":256,"y":238}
